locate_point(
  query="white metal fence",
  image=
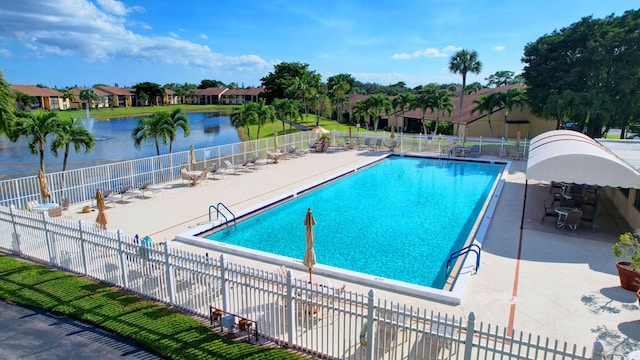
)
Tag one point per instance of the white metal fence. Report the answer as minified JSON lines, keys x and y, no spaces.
{"x":80,"y":185}
{"x":317,"y":319}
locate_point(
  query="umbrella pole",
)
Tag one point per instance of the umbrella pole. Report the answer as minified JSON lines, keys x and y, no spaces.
{"x":310,"y":275}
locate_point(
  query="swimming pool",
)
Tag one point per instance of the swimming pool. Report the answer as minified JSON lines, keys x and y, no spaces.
{"x":397,"y":219}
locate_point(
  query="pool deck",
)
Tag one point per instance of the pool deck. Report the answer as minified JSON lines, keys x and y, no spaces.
{"x":553,"y":283}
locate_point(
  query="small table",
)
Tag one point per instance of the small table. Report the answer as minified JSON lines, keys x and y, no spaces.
{"x":40,"y":208}
{"x":194,"y":176}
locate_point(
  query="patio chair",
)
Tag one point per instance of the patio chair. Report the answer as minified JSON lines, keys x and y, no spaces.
{"x":564,"y":202}
{"x":64,"y":206}
{"x":571,"y":220}
{"x":590,"y":216}
{"x":475,"y":151}
{"x":55,"y":211}
{"x":184,"y":175}
{"x":548,"y":211}
{"x":378,"y":144}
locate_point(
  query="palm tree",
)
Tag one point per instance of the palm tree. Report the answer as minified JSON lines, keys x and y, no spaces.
{"x":510,"y":99}
{"x":462,"y":62}
{"x":302,"y":89}
{"x":158,"y":127}
{"x":560,"y":107}
{"x":36,"y":126}
{"x":425,"y":100}
{"x":70,"y":132}
{"x":69,"y":95}
{"x":245,"y":115}
{"x":287,"y":109}
{"x":264,"y":113}
{"x":177,"y":121}
{"x":7,"y":106}
{"x":376,"y":105}
{"x":339,"y":97}
{"x":90,"y":97}
{"x":402,"y":102}
{"x":442,"y":104}
{"x":359,"y":111}
{"x":485,"y":104}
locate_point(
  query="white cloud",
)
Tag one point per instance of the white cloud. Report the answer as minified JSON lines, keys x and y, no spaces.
{"x":5,"y":53}
{"x":97,"y":35}
{"x":401,"y":56}
{"x":452,"y":48}
{"x":499,"y":48}
{"x":173,"y":35}
{"x":428,"y":53}
{"x":116,"y":7}
{"x":203,"y":36}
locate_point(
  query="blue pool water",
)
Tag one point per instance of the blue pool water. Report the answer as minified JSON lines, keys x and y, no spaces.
{"x":399,"y":219}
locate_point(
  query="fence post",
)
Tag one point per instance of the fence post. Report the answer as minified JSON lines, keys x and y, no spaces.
{"x":468,"y":342}
{"x":370,"y":339}
{"x":598,"y":351}
{"x":83,"y":255}
{"x":123,"y":271}
{"x":223,"y":282}
{"x":170,"y":280}
{"x":289,"y":308}
{"x":16,"y":237}
{"x":47,"y":237}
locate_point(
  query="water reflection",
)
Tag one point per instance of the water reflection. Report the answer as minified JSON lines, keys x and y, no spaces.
{"x":115,"y":144}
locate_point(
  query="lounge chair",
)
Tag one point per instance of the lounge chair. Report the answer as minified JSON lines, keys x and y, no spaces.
{"x":378,"y":144}
{"x":366,"y":144}
{"x":216,"y":170}
{"x":230,"y":166}
{"x":254,"y":163}
{"x":548,"y":211}
{"x":147,"y":186}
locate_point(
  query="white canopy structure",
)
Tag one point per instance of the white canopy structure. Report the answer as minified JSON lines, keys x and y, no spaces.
{"x":570,"y":156}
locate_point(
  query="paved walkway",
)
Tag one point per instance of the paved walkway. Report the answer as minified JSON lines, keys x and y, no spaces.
{"x":557,"y":284}
{"x":34,"y":334}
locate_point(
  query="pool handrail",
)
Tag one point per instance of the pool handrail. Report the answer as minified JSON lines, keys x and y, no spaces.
{"x":454,"y":255}
{"x":218,"y":213}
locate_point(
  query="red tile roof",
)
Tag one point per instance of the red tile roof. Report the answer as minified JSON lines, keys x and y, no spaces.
{"x":112,"y":90}
{"x":33,"y":90}
{"x":211,"y":91}
{"x":252,"y":91}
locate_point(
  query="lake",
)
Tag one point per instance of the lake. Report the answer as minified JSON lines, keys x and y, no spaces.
{"x":114,"y":143}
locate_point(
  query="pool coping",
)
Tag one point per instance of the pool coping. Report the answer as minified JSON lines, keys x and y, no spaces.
{"x":463,"y":269}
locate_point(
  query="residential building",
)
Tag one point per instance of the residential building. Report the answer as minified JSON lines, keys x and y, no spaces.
{"x":39,"y":98}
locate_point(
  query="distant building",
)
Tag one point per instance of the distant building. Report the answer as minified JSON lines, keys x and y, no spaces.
{"x":41,"y":98}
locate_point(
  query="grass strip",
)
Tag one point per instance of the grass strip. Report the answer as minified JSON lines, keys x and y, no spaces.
{"x":155,"y":327}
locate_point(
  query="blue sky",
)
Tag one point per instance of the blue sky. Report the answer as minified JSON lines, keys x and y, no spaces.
{"x":83,"y":42}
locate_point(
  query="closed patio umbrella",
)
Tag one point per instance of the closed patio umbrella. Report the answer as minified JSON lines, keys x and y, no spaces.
{"x":43,"y":186}
{"x":309,"y":255}
{"x":192,"y":156}
{"x":102,"y":216}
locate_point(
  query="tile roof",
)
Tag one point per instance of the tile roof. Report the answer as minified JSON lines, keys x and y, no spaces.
{"x":112,"y":90}
{"x":211,"y":91}
{"x":33,"y":90}
{"x":251,"y":91}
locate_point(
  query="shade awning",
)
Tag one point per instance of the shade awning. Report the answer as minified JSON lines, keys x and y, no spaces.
{"x":572,"y":157}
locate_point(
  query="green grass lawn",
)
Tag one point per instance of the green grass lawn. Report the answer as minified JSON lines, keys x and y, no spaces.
{"x":155,"y":327}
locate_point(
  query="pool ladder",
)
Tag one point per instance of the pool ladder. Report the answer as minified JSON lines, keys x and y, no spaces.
{"x":218,"y":213}
{"x":475,"y":248}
